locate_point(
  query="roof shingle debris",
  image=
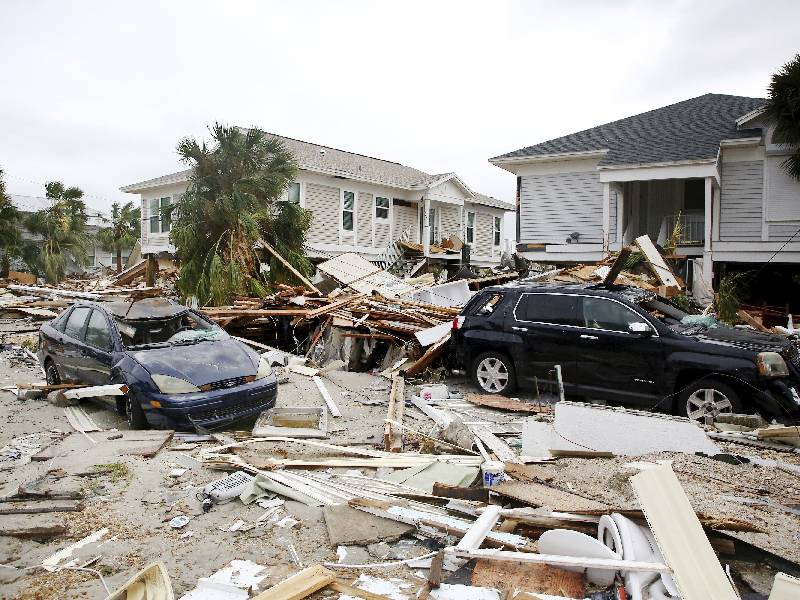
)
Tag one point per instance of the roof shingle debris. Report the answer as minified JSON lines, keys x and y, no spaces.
{"x":688,"y":130}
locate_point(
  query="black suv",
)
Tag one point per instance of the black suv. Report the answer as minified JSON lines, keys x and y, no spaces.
{"x":627,"y":345}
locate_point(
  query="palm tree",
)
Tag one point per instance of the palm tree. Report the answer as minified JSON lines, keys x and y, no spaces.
{"x":783,"y":112}
{"x":62,"y":227}
{"x":232,"y":189}
{"x":125,"y":228}
{"x":9,"y":229}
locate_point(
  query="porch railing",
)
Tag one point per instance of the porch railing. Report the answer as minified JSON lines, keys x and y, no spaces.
{"x":693,"y":230}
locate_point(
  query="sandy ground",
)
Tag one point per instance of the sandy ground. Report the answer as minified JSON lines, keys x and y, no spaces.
{"x":138,"y":497}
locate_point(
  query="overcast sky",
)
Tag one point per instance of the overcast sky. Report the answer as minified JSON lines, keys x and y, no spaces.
{"x":97,"y":94}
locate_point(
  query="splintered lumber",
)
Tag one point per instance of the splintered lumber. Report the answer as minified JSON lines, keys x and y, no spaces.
{"x":300,"y":585}
{"x":268,"y":247}
{"x":680,"y":537}
{"x":533,"y":577}
{"x":131,"y":273}
{"x":617,"y":266}
{"x":752,"y":321}
{"x":431,"y":354}
{"x":538,"y":494}
{"x":505,"y":403}
{"x":502,"y":450}
{"x":354,"y":592}
{"x":322,"y":310}
{"x":657,"y":263}
{"x":393,"y":435}
{"x":327,"y":397}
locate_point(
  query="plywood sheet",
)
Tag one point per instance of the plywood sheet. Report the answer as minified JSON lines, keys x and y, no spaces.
{"x":505,"y":403}
{"x":538,"y":494}
{"x":528,"y":577}
{"x":350,"y":527}
{"x":680,"y":536}
{"x":657,"y":263}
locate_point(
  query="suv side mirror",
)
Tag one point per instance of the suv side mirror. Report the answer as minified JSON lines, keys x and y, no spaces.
{"x":640,"y":328}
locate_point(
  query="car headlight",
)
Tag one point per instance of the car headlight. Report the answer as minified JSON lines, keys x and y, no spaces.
{"x":173,"y":385}
{"x":264,"y":368}
{"x":771,"y":364}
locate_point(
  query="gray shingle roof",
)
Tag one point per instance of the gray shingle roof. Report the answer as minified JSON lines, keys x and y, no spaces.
{"x":688,"y":130}
{"x":337,"y":163}
{"x":494,"y":202}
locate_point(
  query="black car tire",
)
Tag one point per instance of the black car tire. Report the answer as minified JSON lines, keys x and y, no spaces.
{"x":136,"y":418}
{"x":708,"y":397}
{"x":51,"y":373}
{"x":493,"y":373}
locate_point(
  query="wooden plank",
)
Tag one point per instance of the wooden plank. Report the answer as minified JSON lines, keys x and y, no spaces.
{"x":505,"y":403}
{"x":680,"y":536}
{"x":658,"y":265}
{"x":318,"y":312}
{"x":21,"y":508}
{"x":299,"y":585}
{"x":538,"y":494}
{"x":752,"y":321}
{"x":154,"y":441}
{"x":393,"y":435}
{"x":461,"y":493}
{"x":529,"y":472}
{"x":131,"y":273}
{"x":534,"y":577}
{"x":502,"y":450}
{"x":327,"y":397}
{"x":431,"y":354}
{"x":349,"y":590}
{"x":268,"y":247}
{"x":32,"y":527}
{"x":561,"y":561}
{"x":617,"y":266}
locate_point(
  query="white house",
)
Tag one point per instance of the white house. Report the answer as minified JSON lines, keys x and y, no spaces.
{"x":709,"y":162}
{"x":98,"y":258}
{"x":360,"y":204}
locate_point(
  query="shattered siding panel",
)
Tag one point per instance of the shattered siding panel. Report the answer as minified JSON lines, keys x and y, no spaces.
{"x":484,"y":223}
{"x":323,"y":202}
{"x":405,"y":217}
{"x":382,"y":233}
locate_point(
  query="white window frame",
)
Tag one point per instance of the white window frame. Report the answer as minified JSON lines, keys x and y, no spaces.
{"x":469,"y":228}
{"x":342,"y":231}
{"x":299,"y":192}
{"x":150,"y":215}
{"x":497,"y":231}
{"x":387,"y":208}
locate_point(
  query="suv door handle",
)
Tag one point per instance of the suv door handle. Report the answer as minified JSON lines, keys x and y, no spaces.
{"x":588,"y":337}
{"x":519,"y":328}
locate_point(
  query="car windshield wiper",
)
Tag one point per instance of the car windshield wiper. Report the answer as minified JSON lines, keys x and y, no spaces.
{"x":148,"y":346}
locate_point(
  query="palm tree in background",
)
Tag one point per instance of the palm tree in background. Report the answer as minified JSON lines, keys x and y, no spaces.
{"x":123,"y":231}
{"x":62,"y":227}
{"x":783,"y":112}
{"x":10,"y":237}
{"x":233,"y":187}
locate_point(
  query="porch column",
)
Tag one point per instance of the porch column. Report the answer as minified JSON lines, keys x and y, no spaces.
{"x":606,"y":215}
{"x":426,"y":229}
{"x":708,"y":264}
{"x":620,"y":216}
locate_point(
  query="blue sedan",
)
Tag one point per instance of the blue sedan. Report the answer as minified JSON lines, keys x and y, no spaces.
{"x":182,"y":371}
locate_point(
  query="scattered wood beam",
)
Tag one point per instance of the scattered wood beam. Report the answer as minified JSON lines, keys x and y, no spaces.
{"x":327,"y":397}
{"x":392,"y":435}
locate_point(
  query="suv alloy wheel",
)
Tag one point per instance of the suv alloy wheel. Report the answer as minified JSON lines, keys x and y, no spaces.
{"x":708,"y":398}
{"x":494,"y":373}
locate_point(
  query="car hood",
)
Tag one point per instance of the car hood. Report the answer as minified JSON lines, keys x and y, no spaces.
{"x":748,"y":339}
{"x":199,"y":363}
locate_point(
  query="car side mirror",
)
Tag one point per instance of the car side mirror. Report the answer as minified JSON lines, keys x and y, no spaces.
{"x":640,"y":328}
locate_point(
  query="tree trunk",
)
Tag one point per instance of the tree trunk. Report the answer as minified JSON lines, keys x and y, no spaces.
{"x":119,"y":259}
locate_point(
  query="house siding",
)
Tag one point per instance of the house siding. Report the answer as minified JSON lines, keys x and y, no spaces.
{"x":365,"y":208}
{"x":450,"y":221}
{"x":553,"y":206}
{"x":612,"y":211}
{"x":484,"y":223}
{"x":405,"y":217}
{"x":741,"y":201}
{"x":784,"y":232}
{"x":323,"y":201}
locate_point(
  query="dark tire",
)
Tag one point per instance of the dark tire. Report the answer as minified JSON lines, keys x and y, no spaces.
{"x":51,"y":373}
{"x":122,"y":405}
{"x":708,"y":397}
{"x":493,"y":373}
{"x":134,"y":412}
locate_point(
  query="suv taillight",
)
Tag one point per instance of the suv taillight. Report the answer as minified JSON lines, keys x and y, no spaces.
{"x":455,"y":323}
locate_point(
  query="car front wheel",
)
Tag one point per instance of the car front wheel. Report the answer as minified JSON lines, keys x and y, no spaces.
{"x":708,"y":398}
{"x":493,"y":373}
{"x":135,"y":414}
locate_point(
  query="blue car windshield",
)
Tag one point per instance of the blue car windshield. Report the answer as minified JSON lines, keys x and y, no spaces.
{"x":182,"y":329}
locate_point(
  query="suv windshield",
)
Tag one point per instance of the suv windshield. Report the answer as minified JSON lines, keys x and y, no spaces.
{"x":185,"y":328}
